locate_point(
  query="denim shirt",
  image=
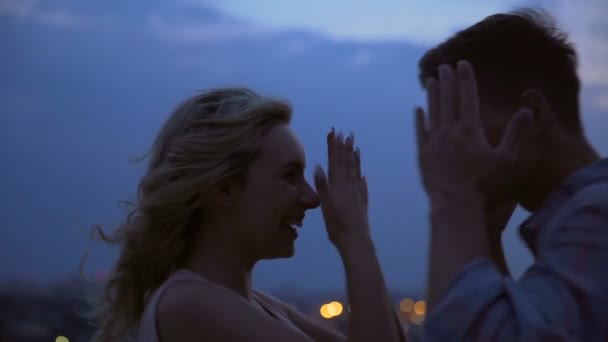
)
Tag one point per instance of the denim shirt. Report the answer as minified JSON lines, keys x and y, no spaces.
{"x":563,"y":296}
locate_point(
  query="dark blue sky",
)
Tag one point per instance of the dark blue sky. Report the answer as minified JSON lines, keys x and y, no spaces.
{"x":84,"y":87}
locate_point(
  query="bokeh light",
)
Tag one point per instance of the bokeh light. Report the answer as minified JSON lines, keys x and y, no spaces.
{"x":325,"y":312}
{"x":406,"y":304}
{"x":61,"y":339}
{"x":416,"y":319}
{"x":331,"y":310}
{"x":337,"y":307}
{"x":420,"y":307}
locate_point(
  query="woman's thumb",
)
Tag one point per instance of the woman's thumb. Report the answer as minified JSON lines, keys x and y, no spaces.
{"x":321,"y":182}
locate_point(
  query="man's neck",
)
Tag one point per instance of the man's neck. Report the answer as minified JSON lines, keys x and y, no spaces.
{"x":557,"y":167}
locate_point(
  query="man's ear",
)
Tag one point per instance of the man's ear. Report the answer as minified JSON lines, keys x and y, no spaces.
{"x":543,"y":114}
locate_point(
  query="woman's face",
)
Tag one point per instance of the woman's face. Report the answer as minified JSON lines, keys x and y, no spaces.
{"x":271,"y":205}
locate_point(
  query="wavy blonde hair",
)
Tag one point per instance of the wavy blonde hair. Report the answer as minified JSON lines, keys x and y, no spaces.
{"x":209,"y":139}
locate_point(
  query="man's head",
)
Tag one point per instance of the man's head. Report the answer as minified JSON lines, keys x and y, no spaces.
{"x":521,"y":59}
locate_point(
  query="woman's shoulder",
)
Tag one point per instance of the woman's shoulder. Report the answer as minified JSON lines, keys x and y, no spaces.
{"x":188,"y":289}
{"x":265,"y":296}
{"x":198,"y":310}
{"x":298,"y":320}
{"x":273,"y":304}
{"x":160,"y":301}
{"x":192,"y":305}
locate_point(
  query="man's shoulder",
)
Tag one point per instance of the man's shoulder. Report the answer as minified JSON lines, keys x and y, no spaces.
{"x":593,"y":196}
{"x":587,"y":205}
{"x":585,"y":210}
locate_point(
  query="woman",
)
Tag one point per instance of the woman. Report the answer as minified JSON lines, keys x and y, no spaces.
{"x":225,"y":189}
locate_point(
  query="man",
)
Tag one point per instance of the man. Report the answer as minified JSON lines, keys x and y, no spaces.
{"x":506,"y":133}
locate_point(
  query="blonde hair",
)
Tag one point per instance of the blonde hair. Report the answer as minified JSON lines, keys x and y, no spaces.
{"x":209,"y":139}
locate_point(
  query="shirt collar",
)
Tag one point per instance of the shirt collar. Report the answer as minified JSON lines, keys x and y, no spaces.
{"x":587,"y":175}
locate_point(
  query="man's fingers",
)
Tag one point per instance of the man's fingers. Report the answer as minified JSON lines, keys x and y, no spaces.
{"x":421,"y":130}
{"x":432,"y":99}
{"x":364,"y":190}
{"x":447,"y":96}
{"x":469,"y":96}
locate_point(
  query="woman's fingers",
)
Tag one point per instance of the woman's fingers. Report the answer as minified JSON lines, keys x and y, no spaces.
{"x":344,"y":162}
{"x":357,"y":155}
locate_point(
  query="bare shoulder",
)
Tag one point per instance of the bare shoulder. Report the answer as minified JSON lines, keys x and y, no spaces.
{"x":198,"y":311}
{"x":184,"y":301}
{"x":317,"y":330}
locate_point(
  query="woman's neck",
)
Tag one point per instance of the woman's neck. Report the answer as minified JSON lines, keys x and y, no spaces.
{"x":220,"y":260}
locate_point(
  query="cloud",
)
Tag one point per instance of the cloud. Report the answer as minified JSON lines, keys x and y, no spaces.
{"x":414,"y":21}
{"x":32,"y":10}
{"x":361,"y":59}
{"x":293,"y":47}
{"x":19,"y":8}
{"x":197,"y":3}
{"x":201,"y":32}
{"x":61,"y":18}
{"x":428,"y":23}
{"x":600,"y":101}
{"x":585,"y":22}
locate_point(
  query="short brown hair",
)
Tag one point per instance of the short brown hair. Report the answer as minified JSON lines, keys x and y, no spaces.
{"x":514,"y":52}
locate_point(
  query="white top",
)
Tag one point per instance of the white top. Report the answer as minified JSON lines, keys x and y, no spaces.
{"x":148,"y":332}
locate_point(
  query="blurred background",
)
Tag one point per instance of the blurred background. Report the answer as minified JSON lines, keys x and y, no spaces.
{"x":85,"y":85}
